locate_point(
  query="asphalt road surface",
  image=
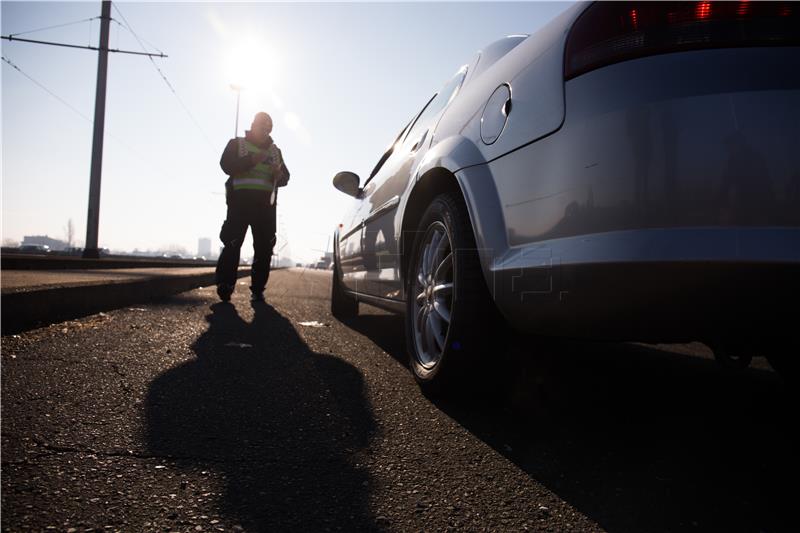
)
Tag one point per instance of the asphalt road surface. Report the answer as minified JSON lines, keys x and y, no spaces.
{"x":190,"y":415}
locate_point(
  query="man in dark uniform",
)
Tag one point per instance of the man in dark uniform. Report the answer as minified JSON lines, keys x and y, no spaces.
{"x":256,"y":169}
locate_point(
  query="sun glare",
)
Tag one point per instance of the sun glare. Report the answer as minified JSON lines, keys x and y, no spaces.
{"x":253,"y":65}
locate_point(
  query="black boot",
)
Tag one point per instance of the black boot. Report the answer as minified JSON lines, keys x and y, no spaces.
{"x":256,"y":296}
{"x":224,"y":292}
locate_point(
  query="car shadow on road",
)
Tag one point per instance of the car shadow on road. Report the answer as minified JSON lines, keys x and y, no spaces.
{"x":636,"y":437}
{"x":279,"y":426}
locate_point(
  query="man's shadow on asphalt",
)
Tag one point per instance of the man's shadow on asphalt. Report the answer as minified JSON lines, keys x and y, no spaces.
{"x":279,"y":423}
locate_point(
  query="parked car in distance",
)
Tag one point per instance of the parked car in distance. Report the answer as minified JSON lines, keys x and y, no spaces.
{"x":34,"y":248}
{"x":629,"y":172}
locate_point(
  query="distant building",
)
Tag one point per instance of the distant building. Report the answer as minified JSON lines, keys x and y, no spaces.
{"x":204,"y":247}
{"x":44,"y":240}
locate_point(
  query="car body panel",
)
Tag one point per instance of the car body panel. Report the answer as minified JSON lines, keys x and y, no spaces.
{"x":488,"y":55}
{"x":534,"y":70}
{"x":679,"y":154}
{"x":377,"y":206}
{"x":375,"y":212}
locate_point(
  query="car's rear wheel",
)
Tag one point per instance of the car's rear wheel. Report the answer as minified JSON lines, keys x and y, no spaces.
{"x":343,"y":306}
{"x":449,"y":313}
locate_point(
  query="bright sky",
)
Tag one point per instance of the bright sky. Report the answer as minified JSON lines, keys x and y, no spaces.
{"x":340,"y":81}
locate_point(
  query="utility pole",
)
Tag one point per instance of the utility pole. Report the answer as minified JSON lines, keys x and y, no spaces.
{"x":93,"y":216}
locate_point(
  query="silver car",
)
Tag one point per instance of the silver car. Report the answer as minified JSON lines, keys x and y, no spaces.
{"x":629,"y":172}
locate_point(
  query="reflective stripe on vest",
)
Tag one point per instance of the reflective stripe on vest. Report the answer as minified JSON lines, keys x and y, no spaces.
{"x":260,"y":176}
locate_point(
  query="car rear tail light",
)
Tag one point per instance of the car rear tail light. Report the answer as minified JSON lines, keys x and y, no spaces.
{"x":610,"y":32}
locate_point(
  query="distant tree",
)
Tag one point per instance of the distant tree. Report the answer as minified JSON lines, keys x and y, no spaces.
{"x":69,"y":231}
{"x":176,"y":249}
{"x":10,"y":243}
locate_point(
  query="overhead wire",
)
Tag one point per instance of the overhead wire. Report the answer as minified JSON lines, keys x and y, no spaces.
{"x":127,"y":26}
{"x":53,"y":26}
{"x":116,"y":37}
{"x":48,"y":91}
{"x":77,"y":111}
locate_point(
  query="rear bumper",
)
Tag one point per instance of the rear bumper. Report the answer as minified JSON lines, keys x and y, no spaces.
{"x":655,"y":285}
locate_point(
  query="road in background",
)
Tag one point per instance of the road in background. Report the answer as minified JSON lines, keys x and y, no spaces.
{"x":191,"y":415}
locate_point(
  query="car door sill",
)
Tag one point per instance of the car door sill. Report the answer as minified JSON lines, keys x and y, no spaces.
{"x":395,"y":306}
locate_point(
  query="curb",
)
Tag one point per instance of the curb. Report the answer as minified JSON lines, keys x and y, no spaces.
{"x":23,"y":310}
{"x":12,"y":261}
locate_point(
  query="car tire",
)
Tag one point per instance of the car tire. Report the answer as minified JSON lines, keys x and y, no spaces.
{"x":450,"y":316}
{"x":343,"y":306}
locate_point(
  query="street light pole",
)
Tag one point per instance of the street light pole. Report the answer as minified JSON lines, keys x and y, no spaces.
{"x":93,"y":215}
{"x":238,"y":89}
{"x":236,"y":127}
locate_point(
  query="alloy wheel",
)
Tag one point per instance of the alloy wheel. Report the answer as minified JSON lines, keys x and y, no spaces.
{"x":432,"y":290}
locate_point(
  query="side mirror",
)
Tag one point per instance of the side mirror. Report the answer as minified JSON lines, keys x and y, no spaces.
{"x":347,"y":182}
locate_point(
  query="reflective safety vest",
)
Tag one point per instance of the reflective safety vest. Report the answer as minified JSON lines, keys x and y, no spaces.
{"x":260,"y":177}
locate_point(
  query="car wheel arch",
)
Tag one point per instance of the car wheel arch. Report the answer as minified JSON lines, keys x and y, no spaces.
{"x":434,"y":182}
{"x":476,"y":187}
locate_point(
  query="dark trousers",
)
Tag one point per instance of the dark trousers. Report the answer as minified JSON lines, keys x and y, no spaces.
{"x":247,"y":208}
